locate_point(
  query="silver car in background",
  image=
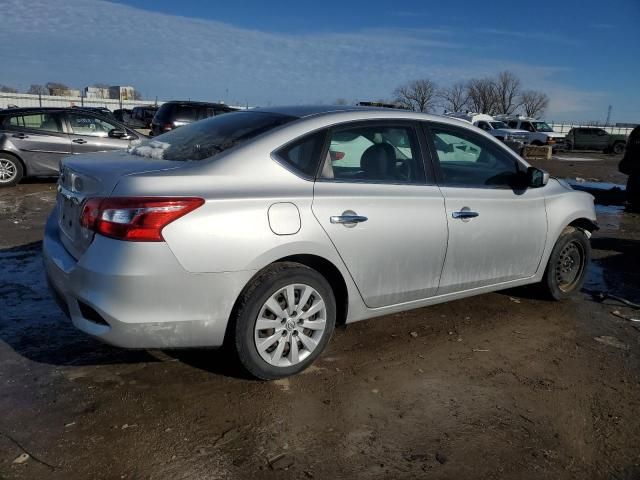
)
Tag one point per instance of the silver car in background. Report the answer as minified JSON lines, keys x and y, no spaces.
{"x":34,"y":140}
{"x":265,"y":228}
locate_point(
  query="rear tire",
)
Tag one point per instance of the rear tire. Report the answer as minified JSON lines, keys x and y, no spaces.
{"x":567,"y":265}
{"x":11,"y":171}
{"x":273,"y":335}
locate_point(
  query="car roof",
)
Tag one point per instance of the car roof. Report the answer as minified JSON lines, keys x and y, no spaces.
{"x":301,"y":111}
{"x":341,"y":112}
{"x":195,"y":103}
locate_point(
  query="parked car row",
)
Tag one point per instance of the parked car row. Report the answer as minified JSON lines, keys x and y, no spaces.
{"x":33,"y":140}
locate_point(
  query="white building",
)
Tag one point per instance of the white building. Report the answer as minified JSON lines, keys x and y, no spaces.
{"x":119,"y":92}
{"x":96,"y":92}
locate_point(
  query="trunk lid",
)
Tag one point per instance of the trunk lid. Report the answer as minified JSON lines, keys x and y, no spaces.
{"x":94,"y":175}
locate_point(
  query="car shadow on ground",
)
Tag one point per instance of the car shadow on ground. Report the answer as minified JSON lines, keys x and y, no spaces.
{"x":34,"y":326}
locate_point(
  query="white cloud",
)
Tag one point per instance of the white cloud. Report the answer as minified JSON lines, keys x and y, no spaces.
{"x":81,"y":42}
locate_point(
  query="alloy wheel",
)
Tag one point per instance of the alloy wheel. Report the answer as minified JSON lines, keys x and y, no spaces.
{"x":8,"y":171}
{"x":290,"y":325}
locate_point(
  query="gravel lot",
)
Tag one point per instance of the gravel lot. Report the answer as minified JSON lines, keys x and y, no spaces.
{"x":504,"y":385}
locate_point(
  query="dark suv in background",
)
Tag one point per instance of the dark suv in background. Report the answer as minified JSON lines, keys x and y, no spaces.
{"x":141,"y":117}
{"x":174,"y":114}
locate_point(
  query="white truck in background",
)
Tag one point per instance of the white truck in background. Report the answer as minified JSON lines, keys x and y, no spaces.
{"x":494,"y":127}
{"x":540,"y":133}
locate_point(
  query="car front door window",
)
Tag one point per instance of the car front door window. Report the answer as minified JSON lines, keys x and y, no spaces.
{"x":89,"y":125}
{"x":468,"y":160}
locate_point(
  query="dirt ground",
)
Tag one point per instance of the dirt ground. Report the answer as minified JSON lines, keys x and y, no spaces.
{"x":503,"y":385}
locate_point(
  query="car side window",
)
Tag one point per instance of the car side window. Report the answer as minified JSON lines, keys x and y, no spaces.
{"x":376,"y":153}
{"x":83,"y":124}
{"x":484,"y":126}
{"x":302,"y":155}
{"x":468,"y":160}
{"x":37,"y":121}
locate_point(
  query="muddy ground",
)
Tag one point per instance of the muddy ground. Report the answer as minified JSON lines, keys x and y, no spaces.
{"x":503,"y":385}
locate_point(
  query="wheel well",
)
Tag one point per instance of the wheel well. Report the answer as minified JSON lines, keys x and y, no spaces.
{"x":585,"y":224}
{"x":336,"y":281}
{"x":323,"y":266}
{"x":11,"y":154}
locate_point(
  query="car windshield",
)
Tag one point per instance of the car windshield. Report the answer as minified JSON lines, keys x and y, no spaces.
{"x":498,"y":125}
{"x":204,"y":139}
{"x":542,"y":127}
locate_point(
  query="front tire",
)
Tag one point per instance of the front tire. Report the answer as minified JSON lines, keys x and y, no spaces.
{"x":618,"y":148}
{"x":567,"y":265}
{"x":283,"y":321}
{"x":11,"y":171}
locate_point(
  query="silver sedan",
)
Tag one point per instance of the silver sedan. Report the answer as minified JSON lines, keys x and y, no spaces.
{"x":263,"y":229}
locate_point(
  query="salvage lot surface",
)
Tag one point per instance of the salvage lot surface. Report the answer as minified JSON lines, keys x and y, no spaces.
{"x":504,"y":385}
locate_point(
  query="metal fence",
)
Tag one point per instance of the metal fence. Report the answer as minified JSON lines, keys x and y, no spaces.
{"x":564,"y":127}
{"x":28,"y":100}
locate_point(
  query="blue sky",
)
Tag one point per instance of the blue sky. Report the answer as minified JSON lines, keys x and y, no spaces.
{"x":583,"y":54}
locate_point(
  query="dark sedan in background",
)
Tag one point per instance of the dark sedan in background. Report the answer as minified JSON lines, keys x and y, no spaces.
{"x":33,"y":140}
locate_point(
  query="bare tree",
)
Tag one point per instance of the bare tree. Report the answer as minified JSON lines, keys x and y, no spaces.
{"x":482,"y":95}
{"x":507,"y":91}
{"x":340,"y":101}
{"x":418,"y":95}
{"x":137,"y":95}
{"x":101,"y":85}
{"x":455,"y":97}
{"x":36,"y":89}
{"x":7,"y":89}
{"x":534,"y":103}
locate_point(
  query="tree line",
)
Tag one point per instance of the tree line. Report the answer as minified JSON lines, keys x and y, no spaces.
{"x":502,"y":94}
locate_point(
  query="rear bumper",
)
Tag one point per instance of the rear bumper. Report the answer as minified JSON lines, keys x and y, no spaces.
{"x":137,"y":295}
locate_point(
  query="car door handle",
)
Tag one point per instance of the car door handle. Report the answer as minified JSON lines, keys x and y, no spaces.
{"x":79,"y":140}
{"x":465,"y":214}
{"x":20,"y":135}
{"x":347,"y":219}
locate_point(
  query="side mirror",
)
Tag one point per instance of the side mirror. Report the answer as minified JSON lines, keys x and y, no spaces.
{"x":117,"y":133}
{"x":537,"y":178}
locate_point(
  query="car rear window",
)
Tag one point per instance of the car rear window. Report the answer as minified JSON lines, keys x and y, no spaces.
{"x":207,"y":138}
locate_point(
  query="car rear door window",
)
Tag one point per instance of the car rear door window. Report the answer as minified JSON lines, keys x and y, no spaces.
{"x":47,"y":122}
{"x":468,"y":160}
{"x":377,"y":153}
{"x":84,"y":124}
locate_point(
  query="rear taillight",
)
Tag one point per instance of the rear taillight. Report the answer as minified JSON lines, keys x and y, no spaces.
{"x":167,"y":126}
{"x":336,"y":155}
{"x":137,"y":219}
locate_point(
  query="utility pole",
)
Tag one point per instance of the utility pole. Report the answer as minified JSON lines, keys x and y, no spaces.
{"x":606,"y":124}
